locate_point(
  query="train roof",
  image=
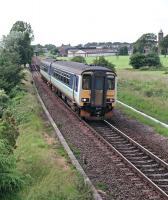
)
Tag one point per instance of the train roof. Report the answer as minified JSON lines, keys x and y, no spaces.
{"x":75,"y":67}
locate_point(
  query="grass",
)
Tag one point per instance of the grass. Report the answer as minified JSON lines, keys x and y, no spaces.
{"x":133,"y":115}
{"x":121,"y":62}
{"x":145,"y":91}
{"x":42,"y":157}
{"x":102,"y":186}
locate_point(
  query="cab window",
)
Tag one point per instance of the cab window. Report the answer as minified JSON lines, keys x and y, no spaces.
{"x":111,"y":83}
{"x":86,"y":82}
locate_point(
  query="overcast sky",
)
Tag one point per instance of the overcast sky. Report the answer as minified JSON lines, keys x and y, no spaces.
{"x":82,"y":21}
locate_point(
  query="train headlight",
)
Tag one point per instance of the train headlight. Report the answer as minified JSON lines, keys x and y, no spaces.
{"x":110,"y":100}
{"x":85,"y":100}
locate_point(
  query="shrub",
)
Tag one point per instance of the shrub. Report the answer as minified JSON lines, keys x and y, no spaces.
{"x":8,"y":129}
{"x":101,"y":61}
{"x":10,"y":180}
{"x":152,"y":59}
{"x":137,"y":60}
{"x":79,"y":59}
{"x":3,"y":101}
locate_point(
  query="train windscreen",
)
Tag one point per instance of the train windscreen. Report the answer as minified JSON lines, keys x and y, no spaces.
{"x":86,"y":82}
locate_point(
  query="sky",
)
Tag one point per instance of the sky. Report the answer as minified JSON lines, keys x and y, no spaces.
{"x":81,"y":21}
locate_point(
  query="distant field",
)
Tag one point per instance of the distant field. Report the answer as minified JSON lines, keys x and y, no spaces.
{"x":121,"y":62}
{"x":145,"y":90}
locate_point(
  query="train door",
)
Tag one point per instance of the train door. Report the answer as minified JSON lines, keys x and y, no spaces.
{"x":98,"y":90}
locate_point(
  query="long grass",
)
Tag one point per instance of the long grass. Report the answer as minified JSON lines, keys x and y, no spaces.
{"x":38,"y":155}
{"x":146,"y":91}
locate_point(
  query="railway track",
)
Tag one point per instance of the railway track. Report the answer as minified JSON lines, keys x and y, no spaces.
{"x":145,"y":163}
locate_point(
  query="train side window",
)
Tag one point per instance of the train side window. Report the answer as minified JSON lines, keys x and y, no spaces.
{"x":111,"y":83}
{"x":86,"y":82}
{"x":76,"y":84}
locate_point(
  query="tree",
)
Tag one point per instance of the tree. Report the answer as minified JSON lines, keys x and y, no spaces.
{"x":51,"y":48}
{"x":139,"y":60}
{"x":123,"y":51}
{"x":164,"y":45}
{"x":11,"y":72}
{"x":24,"y":44}
{"x":147,"y":42}
{"x":101,"y":61}
{"x":152,"y":60}
{"x":79,"y":59}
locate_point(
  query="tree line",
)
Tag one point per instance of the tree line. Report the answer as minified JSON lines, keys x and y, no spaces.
{"x":146,"y":51}
{"x":15,"y":52}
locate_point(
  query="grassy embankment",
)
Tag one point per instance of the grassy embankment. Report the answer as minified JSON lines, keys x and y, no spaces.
{"x":147,"y":92}
{"x":41,"y":156}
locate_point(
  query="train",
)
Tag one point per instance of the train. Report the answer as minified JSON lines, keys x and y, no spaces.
{"x":89,"y":90}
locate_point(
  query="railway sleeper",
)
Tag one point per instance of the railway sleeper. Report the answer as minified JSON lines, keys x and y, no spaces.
{"x":161,"y":181}
{"x":124,"y":148}
{"x":152,"y":170}
{"x":118,"y":142}
{"x":159,"y":175}
{"x":135,"y":157}
{"x":133,"y":154}
{"x":141,"y":161}
{"x":127,"y":151}
{"x":147,"y":165}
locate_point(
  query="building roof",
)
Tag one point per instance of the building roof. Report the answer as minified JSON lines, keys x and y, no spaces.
{"x":92,"y":51}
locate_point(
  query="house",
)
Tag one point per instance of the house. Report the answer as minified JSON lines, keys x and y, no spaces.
{"x":91,"y":52}
{"x":63,"y":49}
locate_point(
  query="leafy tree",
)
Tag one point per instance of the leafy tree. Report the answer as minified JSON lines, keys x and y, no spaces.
{"x":146,"y":41}
{"x":51,"y":48}
{"x":152,"y":60}
{"x":79,"y":59}
{"x":8,"y":129}
{"x":123,"y":51}
{"x":11,"y":74}
{"x":137,"y":60}
{"x":24,"y":44}
{"x":10,"y":180}
{"x":3,"y":101}
{"x":101,"y":61}
{"x":164,"y":44}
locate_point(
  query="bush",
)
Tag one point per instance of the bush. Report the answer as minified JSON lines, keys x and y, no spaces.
{"x":3,"y":101}
{"x":10,"y":180}
{"x":101,"y":61}
{"x":139,"y":60}
{"x":152,"y":59}
{"x":8,"y":129}
{"x":79,"y":59}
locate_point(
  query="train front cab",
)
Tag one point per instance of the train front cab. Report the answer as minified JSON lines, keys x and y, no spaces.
{"x":97,"y":94}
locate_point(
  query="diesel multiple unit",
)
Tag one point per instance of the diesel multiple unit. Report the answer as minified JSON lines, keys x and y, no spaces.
{"x":89,"y":90}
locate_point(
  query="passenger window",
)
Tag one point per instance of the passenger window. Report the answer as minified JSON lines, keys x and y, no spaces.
{"x":76,"y":84}
{"x":111,"y":83}
{"x":86,"y":82}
